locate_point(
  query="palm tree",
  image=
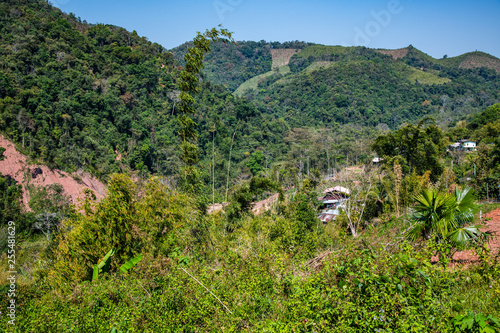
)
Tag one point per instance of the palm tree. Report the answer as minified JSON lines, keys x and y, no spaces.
{"x":445,"y":217}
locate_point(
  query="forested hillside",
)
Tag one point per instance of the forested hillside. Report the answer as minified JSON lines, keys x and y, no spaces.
{"x":76,"y":95}
{"x":407,"y":246}
{"x":335,"y":84}
{"x":233,"y":64}
{"x":96,"y":97}
{"x":99,"y":98}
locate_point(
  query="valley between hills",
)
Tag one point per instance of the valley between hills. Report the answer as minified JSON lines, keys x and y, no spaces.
{"x":230,"y":185}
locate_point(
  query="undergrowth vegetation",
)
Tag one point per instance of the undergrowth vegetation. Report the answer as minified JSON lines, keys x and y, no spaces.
{"x":280,"y":271}
{"x":148,"y":257}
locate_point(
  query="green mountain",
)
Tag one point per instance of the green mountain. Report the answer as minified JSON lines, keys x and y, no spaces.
{"x":76,"y":95}
{"x":97,"y":97}
{"x":321,"y":85}
{"x":79,"y":96}
{"x":232,"y":65}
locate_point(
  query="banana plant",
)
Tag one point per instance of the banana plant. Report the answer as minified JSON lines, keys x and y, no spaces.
{"x":103,"y":265}
{"x":131,"y":263}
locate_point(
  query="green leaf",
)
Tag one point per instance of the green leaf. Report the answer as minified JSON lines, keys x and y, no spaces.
{"x":494,"y":320}
{"x":481,"y":320}
{"x":463,"y":236}
{"x":131,"y":263}
{"x":106,"y":258}
{"x":468,"y":322}
{"x":95,"y":274}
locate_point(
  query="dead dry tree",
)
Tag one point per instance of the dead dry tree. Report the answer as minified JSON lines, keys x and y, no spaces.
{"x":358,"y":181}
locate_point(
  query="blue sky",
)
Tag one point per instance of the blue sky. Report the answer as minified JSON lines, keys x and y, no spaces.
{"x":435,"y":27}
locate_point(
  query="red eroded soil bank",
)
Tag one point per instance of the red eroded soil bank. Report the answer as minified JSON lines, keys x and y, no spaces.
{"x":16,"y":166}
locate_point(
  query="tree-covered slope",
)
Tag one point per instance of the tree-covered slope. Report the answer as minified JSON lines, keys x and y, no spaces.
{"x":370,"y":92}
{"x":77,"y":95}
{"x":97,"y":97}
{"x":233,"y":64}
{"x":326,"y":84}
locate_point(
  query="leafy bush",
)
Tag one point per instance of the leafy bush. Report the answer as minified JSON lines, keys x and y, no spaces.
{"x":476,"y":323}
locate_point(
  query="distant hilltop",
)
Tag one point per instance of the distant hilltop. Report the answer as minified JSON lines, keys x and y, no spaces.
{"x":468,"y":60}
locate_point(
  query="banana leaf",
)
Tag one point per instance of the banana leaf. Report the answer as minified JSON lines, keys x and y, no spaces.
{"x":131,"y":263}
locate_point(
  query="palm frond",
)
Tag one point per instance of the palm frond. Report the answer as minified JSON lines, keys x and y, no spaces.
{"x":465,"y":199}
{"x":445,"y":215}
{"x":465,"y":237}
{"x":464,"y":218}
{"x":416,"y":231}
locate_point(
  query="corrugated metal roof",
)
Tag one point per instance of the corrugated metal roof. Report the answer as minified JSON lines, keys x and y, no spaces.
{"x":339,"y":189}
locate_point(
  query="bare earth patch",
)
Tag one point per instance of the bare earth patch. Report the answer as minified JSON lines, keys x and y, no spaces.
{"x":395,"y":54}
{"x":215,"y":208}
{"x":265,"y":205}
{"x":481,"y":61}
{"x":16,"y":166}
{"x":258,"y":208}
{"x":493,"y":226}
{"x":281,"y":57}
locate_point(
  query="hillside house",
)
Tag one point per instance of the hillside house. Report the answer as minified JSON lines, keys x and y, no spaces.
{"x":333,"y":199}
{"x":463,"y":145}
{"x":468,"y":146}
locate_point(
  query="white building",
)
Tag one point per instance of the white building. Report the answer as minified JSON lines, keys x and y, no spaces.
{"x":468,"y":146}
{"x":463,"y":145}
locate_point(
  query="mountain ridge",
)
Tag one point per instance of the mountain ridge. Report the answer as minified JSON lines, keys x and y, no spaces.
{"x":308,"y":53}
{"x":100,"y":98}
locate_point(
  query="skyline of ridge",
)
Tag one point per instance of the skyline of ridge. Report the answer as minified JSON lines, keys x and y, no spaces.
{"x":437,"y":29}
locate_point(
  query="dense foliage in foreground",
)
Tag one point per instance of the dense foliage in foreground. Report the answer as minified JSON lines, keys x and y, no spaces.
{"x":281,"y":271}
{"x":357,"y":290}
{"x":74,"y":95}
{"x":231,"y":271}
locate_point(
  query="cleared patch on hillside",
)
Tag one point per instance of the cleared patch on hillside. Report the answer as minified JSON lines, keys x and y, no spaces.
{"x":251,"y":84}
{"x":472,"y":60}
{"x":318,"y":65}
{"x":281,"y":57}
{"x":265,"y":205}
{"x":15,"y":165}
{"x":477,"y":59}
{"x":259,"y":207}
{"x":413,"y":74}
{"x":395,"y":54}
{"x":283,"y":70}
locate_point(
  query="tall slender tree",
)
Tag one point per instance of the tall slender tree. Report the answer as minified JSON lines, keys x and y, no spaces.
{"x":189,"y":85}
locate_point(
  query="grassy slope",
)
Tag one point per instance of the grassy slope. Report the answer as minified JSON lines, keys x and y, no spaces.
{"x":318,"y":65}
{"x":279,"y":63}
{"x":472,"y":60}
{"x":251,"y":84}
{"x":413,"y":74}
